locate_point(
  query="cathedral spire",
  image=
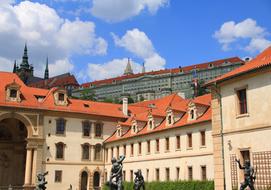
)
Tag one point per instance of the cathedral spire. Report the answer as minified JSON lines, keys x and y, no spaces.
{"x":143,"y":68}
{"x":46,"y":73}
{"x":128,"y":69}
{"x":25,"y":63}
{"x":15,"y":67}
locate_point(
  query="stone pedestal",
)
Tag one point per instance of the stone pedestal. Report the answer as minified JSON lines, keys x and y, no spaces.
{"x":29,"y":187}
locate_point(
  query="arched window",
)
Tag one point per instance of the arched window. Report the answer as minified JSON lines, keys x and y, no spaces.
{"x":192,"y":114}
{"x":84,"y":180}
{"x":98,"y":130}
{"x":60,"y":150}
{"x":169,"y":119}
{"x":98,"y":152}
{"x":96,"y":181}
{"x":150,"y":124}
{"x":85,"y":151}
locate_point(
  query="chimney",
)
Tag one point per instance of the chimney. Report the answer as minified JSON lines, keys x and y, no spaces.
{"x":125,"y":106}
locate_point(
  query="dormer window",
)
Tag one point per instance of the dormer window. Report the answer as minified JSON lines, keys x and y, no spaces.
{"x":211,"y":65}
{"x":119,"y":132}
{"x":169,"y":118}
{"x":61,"y":97}
{"x":150,"y":123}
{"x":192,"y":114}
{"x":13,"y":93}
{"x":134,"y":127}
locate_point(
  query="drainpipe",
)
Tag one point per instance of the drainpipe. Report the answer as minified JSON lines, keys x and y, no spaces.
{"x":222,"y":135}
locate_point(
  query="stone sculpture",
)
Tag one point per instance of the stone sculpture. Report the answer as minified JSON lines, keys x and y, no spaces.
{"x":41,"y":181}
{"x":249,"y":175}
{"x":115,"y":181}
{"x":139,"y":181}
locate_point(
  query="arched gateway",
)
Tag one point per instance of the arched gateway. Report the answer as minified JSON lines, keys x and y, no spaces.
{"x":18,"y":152}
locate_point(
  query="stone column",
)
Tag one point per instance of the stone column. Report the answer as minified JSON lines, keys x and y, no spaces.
{"x":28,"y":167}
{"x":34,"y":166}
{"x":92,"y":152}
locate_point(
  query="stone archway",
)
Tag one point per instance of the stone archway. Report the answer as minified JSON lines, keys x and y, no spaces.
{"x":22,"y":136}
{"x":13,"y":135}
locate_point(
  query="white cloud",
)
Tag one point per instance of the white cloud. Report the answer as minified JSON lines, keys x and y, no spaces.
{"x":119,"y":10}
{"x":110,"y":69}
{"x":46,"y":33}
{"x":6,"y":65}
{"x":138,"y":43}
{"x":257,"y":44}
{"x":134,"y":41}
{"x":231,"y":32}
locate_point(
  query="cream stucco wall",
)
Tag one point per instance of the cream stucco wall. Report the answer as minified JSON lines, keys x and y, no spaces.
{"x":72,"y":165}
{"x":250,"y":131}
{"x":196,"y":156}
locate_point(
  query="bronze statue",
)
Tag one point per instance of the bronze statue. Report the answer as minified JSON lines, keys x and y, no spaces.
{"x":41,"y":181}
{"x":249,"y":175}
{"x":139,"y":181}
{"x":115,"y":181}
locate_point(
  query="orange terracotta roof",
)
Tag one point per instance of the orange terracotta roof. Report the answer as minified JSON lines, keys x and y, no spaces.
{"x":173,"y":101}
{"x":165,"y":71}
{"x":30,"y":101}
{"x":262,"y":60}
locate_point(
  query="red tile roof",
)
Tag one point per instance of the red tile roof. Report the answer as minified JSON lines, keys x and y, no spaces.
{"x":173,"y":101}
{"x":262,"y":60}
{"x":172,"y":71}
{"x":57,"y":81}
{"x":75,"y":106}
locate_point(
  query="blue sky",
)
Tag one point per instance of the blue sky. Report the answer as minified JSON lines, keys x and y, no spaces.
{"x":93,"y":38}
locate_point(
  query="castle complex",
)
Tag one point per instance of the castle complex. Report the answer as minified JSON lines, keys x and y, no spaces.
{"x":168,"y":138}
{"x":26,"y":73}
{"x":157,"y":84}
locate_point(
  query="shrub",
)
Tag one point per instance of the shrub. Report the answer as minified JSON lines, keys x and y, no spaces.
{"x":173,"y":185}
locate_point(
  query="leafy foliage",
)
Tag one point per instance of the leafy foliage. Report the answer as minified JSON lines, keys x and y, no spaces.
{"x":173,"y":185}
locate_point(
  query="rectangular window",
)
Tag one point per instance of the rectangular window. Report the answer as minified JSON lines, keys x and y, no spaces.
{"x":190,"y":173}
{"x":242,"y":100}
{"x":167,"y":144}
{"x":203,"y":173}
{"x":148,"y":146}
{"x":131,"y":175}
{"x":167,"y":174}
{"x":13,"y":93}
{"x":189,"y":140}
{"x":203,"y":141}
{"x":177,"y":173}
{"x":178,"y":142}
{"x":98,"y":130}
{"x":124,"y":150}
{"x":132,"y":149}
{"x":61,"y":97}
{"x":157,"y":174}
{"x":58,"y":176}
{"x":86,"y":128}
{"x":60,"y":126}
{"x":139,"y":148}
{"x":157,"y":145}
